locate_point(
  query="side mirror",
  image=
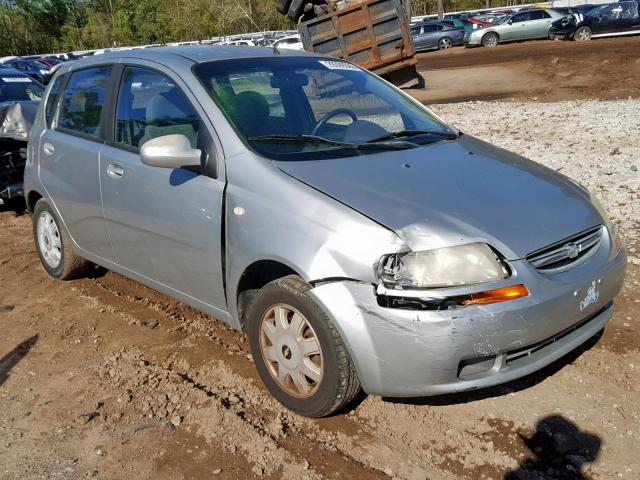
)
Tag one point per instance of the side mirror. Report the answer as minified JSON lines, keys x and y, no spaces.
{"x":510,"y":22}
{"x":170,"y":151}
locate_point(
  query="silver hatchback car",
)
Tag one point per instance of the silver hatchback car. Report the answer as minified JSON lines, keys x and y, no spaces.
{"x":359,"y":240}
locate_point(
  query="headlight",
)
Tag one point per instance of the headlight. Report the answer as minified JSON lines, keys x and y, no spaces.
{"x":442,"y":267}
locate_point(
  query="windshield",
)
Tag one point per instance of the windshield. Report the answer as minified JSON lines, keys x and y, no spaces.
{"x":500,"y":20}
{"x":304,"y":108}
{"x":18,"y":88}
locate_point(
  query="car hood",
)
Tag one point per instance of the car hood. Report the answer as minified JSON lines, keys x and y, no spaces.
{"x":456,"y":192}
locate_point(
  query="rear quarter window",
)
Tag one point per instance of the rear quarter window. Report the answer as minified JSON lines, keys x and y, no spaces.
{"x":83,"y":99}
{"x":52,"y":98}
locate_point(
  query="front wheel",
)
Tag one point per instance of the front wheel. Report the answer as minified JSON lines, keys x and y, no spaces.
{"x":582,"y":34}
{"x":444,"y":43}
{"x":490,"y":40}
{"x":298,"y":351}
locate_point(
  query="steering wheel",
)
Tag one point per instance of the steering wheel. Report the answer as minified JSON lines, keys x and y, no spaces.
{"x":331,"y":114}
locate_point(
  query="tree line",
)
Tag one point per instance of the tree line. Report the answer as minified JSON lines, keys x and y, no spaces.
{"x":47,"y":26}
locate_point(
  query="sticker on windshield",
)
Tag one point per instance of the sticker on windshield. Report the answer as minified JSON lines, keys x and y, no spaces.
{"x":332,"y":65}
{"x":16,"y":79}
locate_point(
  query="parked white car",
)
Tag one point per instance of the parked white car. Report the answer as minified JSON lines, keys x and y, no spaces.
{"x":292,"y":42}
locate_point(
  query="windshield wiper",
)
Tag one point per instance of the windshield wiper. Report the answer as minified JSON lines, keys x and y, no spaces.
{"x":449,"y":135}
{"x":298,"y":139}
{"x":333,"y":143}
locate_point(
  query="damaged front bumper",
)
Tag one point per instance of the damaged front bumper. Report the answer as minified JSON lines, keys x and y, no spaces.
{"x":403,"y":352}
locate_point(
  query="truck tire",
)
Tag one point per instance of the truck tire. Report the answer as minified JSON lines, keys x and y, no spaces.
{"x":54,"y":244}
{"x":298,"y":351}
{"x":282,"y":6}
{"x":296,"y":9}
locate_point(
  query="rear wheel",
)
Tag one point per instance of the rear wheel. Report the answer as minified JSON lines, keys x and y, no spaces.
{"x":582,"y":34}
{"x":54,"y":244}
{"x":444,"y":43}
{"x":490,"y":39}
{"x":298,"y":351}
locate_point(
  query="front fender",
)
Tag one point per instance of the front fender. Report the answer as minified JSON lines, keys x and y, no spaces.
{"x":272,"y":216}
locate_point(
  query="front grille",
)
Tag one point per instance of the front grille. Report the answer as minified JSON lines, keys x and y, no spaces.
{"x":566,"y":253}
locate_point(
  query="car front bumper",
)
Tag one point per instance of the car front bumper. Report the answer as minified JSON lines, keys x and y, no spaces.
{"x":405,"y":353}
{"x":474,"y":41}
{"x":566,"y":32}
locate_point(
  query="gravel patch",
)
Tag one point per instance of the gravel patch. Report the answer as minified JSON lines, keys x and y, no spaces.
{"x":597,"y":143}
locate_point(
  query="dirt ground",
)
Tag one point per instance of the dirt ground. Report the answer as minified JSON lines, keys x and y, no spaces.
{"x":104,"y":378}
{"x":540,"y":70}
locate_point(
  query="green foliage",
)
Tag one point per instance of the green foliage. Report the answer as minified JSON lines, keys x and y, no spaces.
{"x":41,"y":26}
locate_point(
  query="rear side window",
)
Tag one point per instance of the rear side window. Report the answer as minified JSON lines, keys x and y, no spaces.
{"x":150,"y":105}
{"x":83,"y":101}
{"x":538,"y":15}
{"x":52,"y":99}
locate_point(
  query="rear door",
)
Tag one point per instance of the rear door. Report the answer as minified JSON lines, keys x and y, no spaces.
{"x":69,"y":151}
{"x":430,"y":36}
{"x":165,"y":225}
{"x":539,"y":23}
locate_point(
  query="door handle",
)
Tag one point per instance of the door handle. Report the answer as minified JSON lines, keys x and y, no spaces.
{"x":48,"y":148}
{"x":114,"y":171}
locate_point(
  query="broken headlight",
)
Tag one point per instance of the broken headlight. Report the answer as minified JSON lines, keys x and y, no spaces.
{"x":442,"y":267}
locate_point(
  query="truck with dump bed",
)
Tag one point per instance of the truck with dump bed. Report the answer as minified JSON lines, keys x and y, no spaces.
{"x":373,"y":34}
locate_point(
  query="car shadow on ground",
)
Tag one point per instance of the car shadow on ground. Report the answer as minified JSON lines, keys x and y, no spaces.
{"x":559,"y":450}
{"x":12,"y":358}
{"x":505,"y":388}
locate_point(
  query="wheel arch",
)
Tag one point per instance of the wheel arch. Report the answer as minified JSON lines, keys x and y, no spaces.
{"x":31,"y":199}
{"x":489,"y":32}
{"x":253,"y":278}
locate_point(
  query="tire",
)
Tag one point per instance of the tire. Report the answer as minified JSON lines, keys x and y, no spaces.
{"x":283,"y":321}
{"x":444,"y":43}
{"x":282,"y":6}
{"x":54,"y":244}
{"x":490,"y":39}
{"x":582,"y":34}
{"x":296,"y":9}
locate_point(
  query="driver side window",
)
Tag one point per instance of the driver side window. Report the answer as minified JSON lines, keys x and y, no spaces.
{"x":521,"y":17}
{"x":150,"y":106}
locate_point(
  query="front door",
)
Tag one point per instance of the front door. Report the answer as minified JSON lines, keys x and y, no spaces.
{"x":517,"y":29}
{"x":539,"y":21}
{"x":69,"y":151}
{"x":165,"y":225}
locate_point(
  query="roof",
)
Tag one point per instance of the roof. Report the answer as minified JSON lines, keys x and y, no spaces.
{"x":194,"y":53}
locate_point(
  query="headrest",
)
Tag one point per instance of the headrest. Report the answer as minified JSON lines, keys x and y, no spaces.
{"x":251,"y":104}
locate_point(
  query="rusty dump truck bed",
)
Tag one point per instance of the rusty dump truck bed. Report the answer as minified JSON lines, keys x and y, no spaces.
{"x":373,"y":34}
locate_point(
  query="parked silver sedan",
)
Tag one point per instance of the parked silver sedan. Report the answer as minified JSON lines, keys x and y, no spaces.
{"x":523,"y":25}
{"x":358,"y":239}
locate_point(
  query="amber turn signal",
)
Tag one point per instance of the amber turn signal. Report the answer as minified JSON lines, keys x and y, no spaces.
{"x":497,"y":295}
